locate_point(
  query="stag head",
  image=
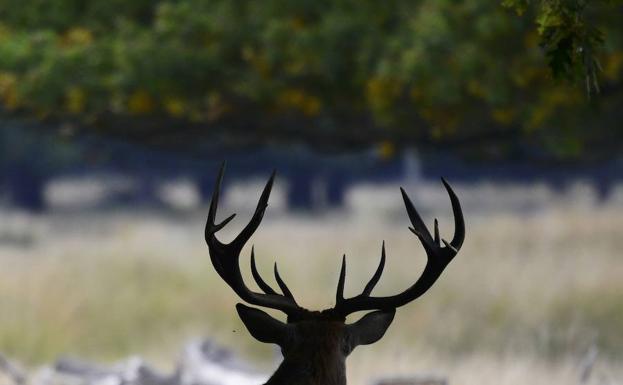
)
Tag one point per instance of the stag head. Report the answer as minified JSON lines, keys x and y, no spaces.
{"x":315,"y":344}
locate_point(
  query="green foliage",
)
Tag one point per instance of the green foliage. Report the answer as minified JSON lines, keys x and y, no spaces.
{"x":569,"y":36}
{"x":421,"y":71}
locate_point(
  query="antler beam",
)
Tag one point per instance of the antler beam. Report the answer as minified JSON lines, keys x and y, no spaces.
{"x":225,"y":257}
{"x":438,"y":258}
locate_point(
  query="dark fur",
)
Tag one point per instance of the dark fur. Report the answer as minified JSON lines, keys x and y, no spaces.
{"x":317,"y":355}
{"x":314,"y":345}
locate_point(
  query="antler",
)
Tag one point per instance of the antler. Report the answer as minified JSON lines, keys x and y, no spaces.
{"x":438,"y":258}
{"x":225,"y":257}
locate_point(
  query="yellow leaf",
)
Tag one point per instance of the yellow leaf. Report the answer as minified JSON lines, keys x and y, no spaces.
{"x":140,"y":102}
{"x":613,"y":66}
{"x":297,"y":23}
{"x":381,"y":92}
{"x":4,"y":32}
{"x":476,"y":88}
{"x":386,"y":150}
{"x":75,"y":100}
{"x":300,"y":100}
{"x":503,"y":116}
{"x":174,"y":106}
{"x":8,"y":92}
{"x":7,"y":81}
{"x":78,"y":36}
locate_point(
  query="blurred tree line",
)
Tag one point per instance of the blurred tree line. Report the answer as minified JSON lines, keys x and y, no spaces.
{"x":340,"y":73}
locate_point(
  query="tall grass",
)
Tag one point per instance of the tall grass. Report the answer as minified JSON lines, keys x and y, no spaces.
{"x":528,"y":293}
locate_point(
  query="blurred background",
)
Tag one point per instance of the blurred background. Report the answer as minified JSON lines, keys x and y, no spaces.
{"x":115,"y":116}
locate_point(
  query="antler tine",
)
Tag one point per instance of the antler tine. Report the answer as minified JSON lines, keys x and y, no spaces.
{"x":211,"y":226}
{"x":438,"y":258}
{"x":436,"y":224}
{"x":339,"y":294}
{"x":459,"y":221}
{"x":215,"y":195}
{"x":282,"y":285}
{"x":258,"y":278}
{"x":419,"y":228}
{"x":377,"y":274}
{"x":256,"y":219}
{"x":225,"y":257}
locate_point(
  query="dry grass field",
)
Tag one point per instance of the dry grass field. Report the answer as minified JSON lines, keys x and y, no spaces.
{"x":537,"y":284}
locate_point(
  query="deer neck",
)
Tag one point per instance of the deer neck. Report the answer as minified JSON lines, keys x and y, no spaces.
{"x":310,"y":373}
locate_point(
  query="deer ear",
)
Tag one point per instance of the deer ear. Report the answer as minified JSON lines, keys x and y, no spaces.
{"x":369,"y":329}
{"x":263,"y":327}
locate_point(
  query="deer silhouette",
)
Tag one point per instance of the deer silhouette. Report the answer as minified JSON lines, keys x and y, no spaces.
{"x":315,"y":344}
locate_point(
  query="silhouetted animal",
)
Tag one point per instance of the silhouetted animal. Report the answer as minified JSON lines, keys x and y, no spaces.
{"x":315,"y":344}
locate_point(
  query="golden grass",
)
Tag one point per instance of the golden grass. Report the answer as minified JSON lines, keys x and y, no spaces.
{"x":527,"y":295}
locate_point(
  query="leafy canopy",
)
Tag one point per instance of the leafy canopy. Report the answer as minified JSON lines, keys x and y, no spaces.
{"x":425,"y":71}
